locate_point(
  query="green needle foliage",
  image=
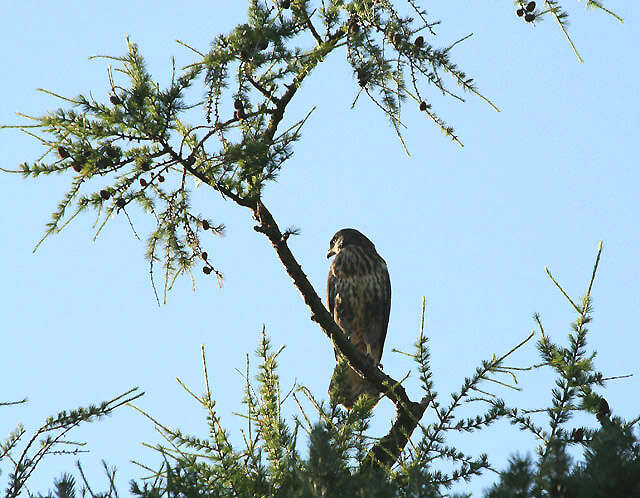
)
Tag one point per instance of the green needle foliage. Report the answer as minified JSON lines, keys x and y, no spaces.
{"x":130,"y":142}
{"x":271,"y":462}
{"x":23,"y":452}
{"x":335,"y":458}
{"x":611,"y":467}
{"x":612,"y":452}
{"x":136,"y":147}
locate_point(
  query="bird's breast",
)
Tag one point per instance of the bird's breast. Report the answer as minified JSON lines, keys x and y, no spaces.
{"x":359,"y":276}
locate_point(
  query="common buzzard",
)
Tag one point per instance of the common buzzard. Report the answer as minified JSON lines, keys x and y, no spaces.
{"x":359,"y":299}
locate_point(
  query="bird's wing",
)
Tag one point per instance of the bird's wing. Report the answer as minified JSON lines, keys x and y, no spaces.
{"x":331,"y":292}
{"x":339,"y":296}
{"x":331,"y":297}
{"x":379,"y":311}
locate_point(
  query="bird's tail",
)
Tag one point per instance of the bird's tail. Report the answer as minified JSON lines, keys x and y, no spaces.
{"x":347,"y":386}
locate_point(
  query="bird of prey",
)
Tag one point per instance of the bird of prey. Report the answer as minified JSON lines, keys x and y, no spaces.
{"x":359,"y":300}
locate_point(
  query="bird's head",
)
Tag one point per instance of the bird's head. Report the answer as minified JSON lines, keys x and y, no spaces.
{"x":348,"y":237}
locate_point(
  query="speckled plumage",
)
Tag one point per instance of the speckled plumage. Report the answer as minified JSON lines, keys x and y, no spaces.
{"x":359,"y":299}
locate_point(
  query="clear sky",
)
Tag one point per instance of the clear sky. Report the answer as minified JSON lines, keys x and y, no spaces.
{"x":472,"y":229}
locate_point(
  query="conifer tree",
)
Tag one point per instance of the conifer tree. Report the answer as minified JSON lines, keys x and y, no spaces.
{"x":137,"y":148}
{"x":610,"y":468}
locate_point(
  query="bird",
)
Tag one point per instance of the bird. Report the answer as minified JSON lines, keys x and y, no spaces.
{"x":359,"y":300}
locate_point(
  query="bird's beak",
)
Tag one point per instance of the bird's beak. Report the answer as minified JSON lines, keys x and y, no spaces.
{"x":330,"y":253}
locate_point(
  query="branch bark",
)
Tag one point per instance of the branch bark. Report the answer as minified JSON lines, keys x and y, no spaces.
{"x":408,"y":412}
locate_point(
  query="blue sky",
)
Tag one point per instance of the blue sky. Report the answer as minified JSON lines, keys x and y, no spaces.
{"x":472,"y":229}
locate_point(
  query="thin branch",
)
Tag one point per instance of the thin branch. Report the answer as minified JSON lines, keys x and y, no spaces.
{"x":408,"y":412}
{"x":312,"y":28}
{"x":575,"y":306}
{"x":564,"y":30}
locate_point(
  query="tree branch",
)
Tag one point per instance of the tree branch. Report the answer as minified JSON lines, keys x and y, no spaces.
{"x":312,"y":28}
{"x":408,"y":412}
{"x":266,"y":93}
